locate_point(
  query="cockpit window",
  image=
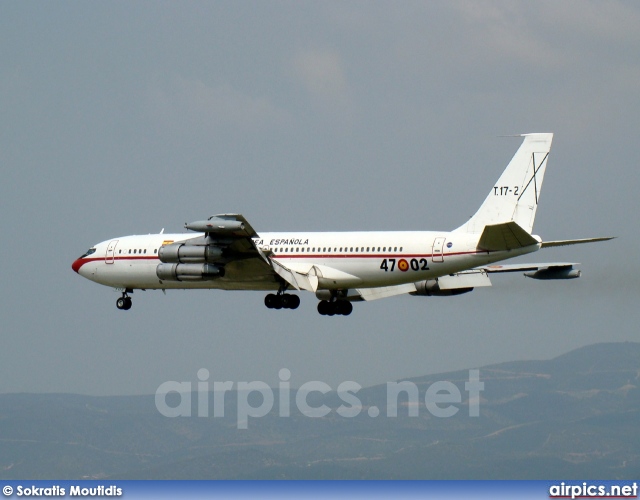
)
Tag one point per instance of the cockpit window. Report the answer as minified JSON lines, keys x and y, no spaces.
{"x":88,"y":252}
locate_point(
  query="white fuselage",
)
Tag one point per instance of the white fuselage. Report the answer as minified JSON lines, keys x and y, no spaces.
{"x":353,"y":259}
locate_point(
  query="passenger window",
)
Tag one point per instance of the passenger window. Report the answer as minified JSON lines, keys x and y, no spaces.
{"x":155,"y":250}
{"x":395,"y":249}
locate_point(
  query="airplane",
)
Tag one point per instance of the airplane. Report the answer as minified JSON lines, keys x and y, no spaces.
{"x":342,"y":267}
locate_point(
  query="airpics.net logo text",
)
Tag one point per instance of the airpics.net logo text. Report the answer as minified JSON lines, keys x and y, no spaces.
{"x":256,"y":399}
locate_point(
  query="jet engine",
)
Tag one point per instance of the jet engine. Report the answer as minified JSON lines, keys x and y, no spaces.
{"x":432,"y":288}
{"x":189,"y":272}
{"x":181,"y":253}
{"x":215,"y":225}
{"x":554,"y":273}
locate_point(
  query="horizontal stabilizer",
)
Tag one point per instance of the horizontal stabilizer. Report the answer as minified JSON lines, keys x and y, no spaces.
{"x":561,"y":243}
{"x":505,"y":236}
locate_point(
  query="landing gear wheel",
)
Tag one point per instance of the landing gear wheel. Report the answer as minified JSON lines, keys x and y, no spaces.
{"x":269,"y":300}
{"x":282,"y":301}
{"x":339,"y":307}
{"x":323,"y":307}
{"x":295,"y":302}
{"x":273,"y":301}
{"x":290,"y":301}
{"x":286,"y":300}
{"x":344,"y":307}
{"x":124,"y":302}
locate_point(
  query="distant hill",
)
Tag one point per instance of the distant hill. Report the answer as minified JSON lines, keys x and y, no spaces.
{"x":574,"y":417}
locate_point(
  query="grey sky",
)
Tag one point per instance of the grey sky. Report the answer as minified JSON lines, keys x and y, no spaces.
{"x":122,"y":118}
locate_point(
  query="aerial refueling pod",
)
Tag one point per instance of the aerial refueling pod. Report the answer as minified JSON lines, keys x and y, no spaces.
{"x":189,"y":272}
{"x":181,"y":253}
{"x":215,"y":225}
{"x":432,"y":289}
{"x":554,"y":273}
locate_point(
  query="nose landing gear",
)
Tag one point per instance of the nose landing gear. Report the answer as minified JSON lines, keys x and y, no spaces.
{"x":124,"y":303}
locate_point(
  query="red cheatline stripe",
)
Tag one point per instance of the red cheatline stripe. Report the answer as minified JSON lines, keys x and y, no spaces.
{"x":81,"y":262}
{"x":369,"y":256}
{"x":78,"y":263}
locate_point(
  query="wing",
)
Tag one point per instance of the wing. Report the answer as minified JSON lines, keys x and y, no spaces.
{"x":465,"y":281}
{"x":451,"y":284}
{"x":245,"y":262}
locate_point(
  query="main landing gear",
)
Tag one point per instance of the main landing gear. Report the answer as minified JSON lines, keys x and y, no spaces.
{"x":124,"y":302}
{"x":282,"y":301}
{"x":336,"y":307}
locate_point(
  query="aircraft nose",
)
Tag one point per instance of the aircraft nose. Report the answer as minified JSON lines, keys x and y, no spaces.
{"x":77,"y":264}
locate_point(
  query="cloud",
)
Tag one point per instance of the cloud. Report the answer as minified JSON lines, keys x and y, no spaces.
{"x":322,"y":75}
{"x":191,"y":104}
{"x":499,"y":31}
{"x":548,"y":33}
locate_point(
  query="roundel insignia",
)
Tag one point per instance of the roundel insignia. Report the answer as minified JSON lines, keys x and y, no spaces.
{"x":403,"y":265}
{"x":449,"y":245}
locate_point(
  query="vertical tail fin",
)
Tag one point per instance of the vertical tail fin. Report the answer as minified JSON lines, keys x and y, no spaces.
{"x":515,"y":196}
